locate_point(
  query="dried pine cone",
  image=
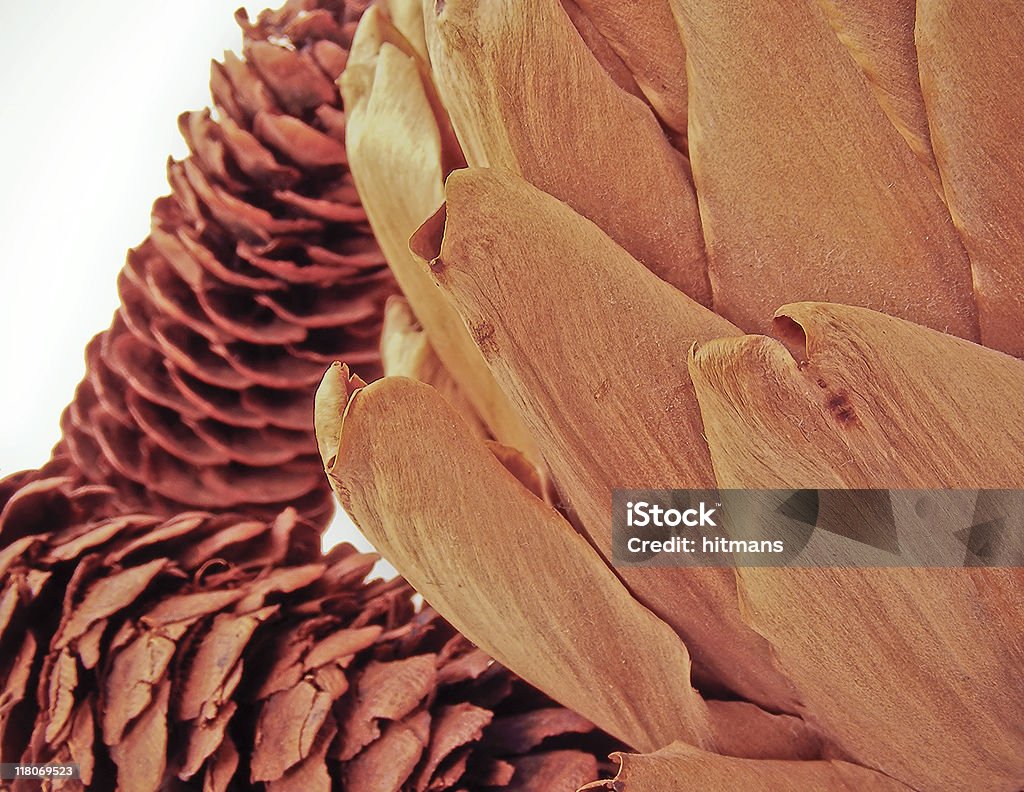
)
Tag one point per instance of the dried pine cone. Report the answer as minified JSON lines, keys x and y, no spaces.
{"x":259,"y":270}
{"x":215,"y":652}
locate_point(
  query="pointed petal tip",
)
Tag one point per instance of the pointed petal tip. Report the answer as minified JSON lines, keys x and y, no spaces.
{"x":426,"y":519}
{"x":332,"y":397}
{"x":356,"y":81}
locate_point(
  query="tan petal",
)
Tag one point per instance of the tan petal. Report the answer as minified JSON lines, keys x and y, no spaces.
{"x":395,"y":152}
{"x":742,"y":729}
{"x":644,"y":34}
{"x":82,"y":740}
{"x":512,"y":106}
{"x":879,"y":34}
{"x":452,"y":728}
{"x":288,"y":727}
{"x":683,"y":768}
{"x":807,"y":191}
{"x":863,"y":400}
{"x":107,"y":596}
{"x":221,"y":768}
{"x":204,"y":738}
{"x":399,"y":23}
{"x":387,"y":691}
{"x":601,"y":49}
{"x":311,"y":774}
{"x":16,"y":685}
{"x":63,"y":679}
{"x":214,"y":660}
{"x":860,"y":399}
{"x":406,"y":352}
{"x":591,"y":346}
{"x":337,"y":383}
{"x":523,"y":732}
{"x":133,"y":677}
{"x":973,"y":82}
{"x":485,"y":552}
{"x":520,"y":467}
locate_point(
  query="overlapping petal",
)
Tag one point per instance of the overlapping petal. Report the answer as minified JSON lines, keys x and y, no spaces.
{"x":486,"y":552}
{"x":973,"y":83}
{"x":807,"y":191}
{"x":391,"y":120}
{"x":591,"y":347}
{"x":683,"y":768}
{"x":851,"y":398}
{"x":526,"y":79}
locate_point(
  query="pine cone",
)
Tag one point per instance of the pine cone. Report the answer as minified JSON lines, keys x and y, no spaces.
{"x":215,"y":652}
{"x":260,"y":269}
{"x":711,"y":246}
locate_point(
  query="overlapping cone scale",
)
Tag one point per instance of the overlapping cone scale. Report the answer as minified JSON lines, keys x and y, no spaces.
{"x":223,"y":652}
{"x":259,"y":270}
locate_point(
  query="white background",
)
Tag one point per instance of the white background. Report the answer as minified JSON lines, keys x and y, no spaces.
{"x":90,"y":94}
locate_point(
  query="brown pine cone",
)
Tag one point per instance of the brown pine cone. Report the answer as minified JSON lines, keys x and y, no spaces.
{"x":259,"y":271}
{"x":215,"y":652}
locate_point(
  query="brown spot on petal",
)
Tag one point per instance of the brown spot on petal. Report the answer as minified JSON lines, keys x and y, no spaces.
{"x":840,"y":406}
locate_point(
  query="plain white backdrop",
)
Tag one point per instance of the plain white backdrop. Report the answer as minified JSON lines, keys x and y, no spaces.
{"x":90,"y":94}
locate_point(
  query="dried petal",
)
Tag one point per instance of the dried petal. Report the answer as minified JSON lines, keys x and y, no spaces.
{"x":557,"y":771}
{"x":221,"y":769}
{"x":406,"y":352}
{"x":215,"y":658}
{"x":205,"y":737}
{"x":973,"y":83}
{"x":610,"y":60}
{"x":288,"y":725}
{"x":511,"y":106}
{"x":644,"y":34}
{"x":388,"y":763}
{"x":134,"y":673}
{"x":107,"y":596}
{"x":519,"y":733}
{"x":452,"y":728}
{"x":141,"y":756}
{"x":386,"y":691}
{"x":311,"y":774}
{"x":434,"y":523}
{"x":407,"y":17}
{"x":880,"y":37}
{"x":341,"y":644}
{"x":600,"y":418}
{"x":860,"y":399}
{"x":807,"y":191}
{"x":390,"y":119}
